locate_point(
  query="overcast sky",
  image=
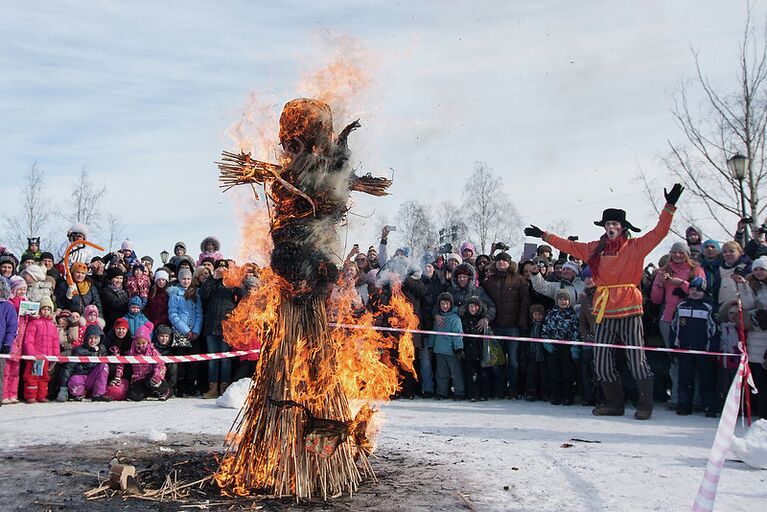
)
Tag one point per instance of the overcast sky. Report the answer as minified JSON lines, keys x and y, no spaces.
{"x":565,"y":100}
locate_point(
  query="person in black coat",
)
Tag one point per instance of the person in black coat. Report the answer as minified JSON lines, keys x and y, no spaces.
{"x":114,"y":298}
{"x":219,"y":301}
{"x":434,"y":284}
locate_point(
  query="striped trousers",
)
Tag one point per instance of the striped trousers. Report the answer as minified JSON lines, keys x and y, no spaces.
{"x":622,"y":331}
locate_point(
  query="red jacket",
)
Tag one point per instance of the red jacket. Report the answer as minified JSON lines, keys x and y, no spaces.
{"x":41,"y":338}
{"x":617,"y":294}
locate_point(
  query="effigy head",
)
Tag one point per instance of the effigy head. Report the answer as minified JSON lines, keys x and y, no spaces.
{"x":306,"y":126}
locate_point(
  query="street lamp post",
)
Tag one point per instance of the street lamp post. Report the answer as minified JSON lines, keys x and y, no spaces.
{"x":738,"y":165}
{"x":164,"y":257}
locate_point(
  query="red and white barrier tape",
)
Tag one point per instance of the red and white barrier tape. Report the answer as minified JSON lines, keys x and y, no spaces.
{"x":542,"y":340}
{"x":709,"y":485}
{"x":135,"y":359}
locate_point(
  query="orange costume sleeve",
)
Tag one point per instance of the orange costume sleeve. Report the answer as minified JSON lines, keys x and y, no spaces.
{"x":617,"y":294}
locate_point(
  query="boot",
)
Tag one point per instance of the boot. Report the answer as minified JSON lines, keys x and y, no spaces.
{"x":63,"y":394}
{"x":212,"y":391}
{"x":614,"y":400}
{"x":644,"y":404}
{"x":224,"y":385}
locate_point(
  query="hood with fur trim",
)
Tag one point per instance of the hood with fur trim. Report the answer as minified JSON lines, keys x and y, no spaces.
{"x":463,"y":267}
{"x":212,"y":239}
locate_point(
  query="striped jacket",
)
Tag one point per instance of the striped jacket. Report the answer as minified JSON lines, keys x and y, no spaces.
{"x":693,"y":326}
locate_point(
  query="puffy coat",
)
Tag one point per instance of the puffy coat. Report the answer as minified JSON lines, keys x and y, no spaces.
{"x":78,"y":300}
{"x":115,"y":304}
{"x":157,"y":307}
{"x":185,"y":315}
{"x":41,"y":338}
{"x":435,"y":285}
{"x":509,"y":292}
{"x":728,"y":288}
{"x":71,"y":369}
{"x":693,"y":326}
{"x":447,"y":345}
{"x":9,"y":323}
{"x":663,"y":291}
{"x":141,"y":371}
{"x":215,"y":253}
{"x":462,"y":295}
{"x":219,"y":301}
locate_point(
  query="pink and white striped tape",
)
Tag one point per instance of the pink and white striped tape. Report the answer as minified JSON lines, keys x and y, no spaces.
{"x":135,"y":359}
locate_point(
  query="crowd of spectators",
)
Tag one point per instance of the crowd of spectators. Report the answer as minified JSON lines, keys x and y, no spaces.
{"x":703,"y":294}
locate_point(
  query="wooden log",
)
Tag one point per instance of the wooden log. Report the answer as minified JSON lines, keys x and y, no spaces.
{"x":118,"y":476}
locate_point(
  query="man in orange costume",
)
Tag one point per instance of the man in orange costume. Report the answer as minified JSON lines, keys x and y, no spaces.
{"x":616,"y":261}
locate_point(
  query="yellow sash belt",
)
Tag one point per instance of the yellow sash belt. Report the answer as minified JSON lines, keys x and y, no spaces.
{"x":603,"y":295}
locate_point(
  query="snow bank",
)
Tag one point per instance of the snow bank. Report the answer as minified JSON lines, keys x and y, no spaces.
{"x":235,"y":395}
{"x":155,"y":436}
{"x":752,"y":448}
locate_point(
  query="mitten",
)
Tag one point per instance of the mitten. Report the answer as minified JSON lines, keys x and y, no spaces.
{"x":71,"y":291}
{"x":549,"y":347}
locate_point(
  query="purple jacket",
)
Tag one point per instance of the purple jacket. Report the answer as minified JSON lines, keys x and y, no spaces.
{"x":9,"y":323}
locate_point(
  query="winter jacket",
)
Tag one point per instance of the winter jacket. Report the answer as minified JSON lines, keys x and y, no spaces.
{"x":586,"y":320}
{"x":115,"y":346}
{"x":219,"y":302}
{"x":185,"y":315}
{"x":462,"y":295}
{"x":728,"y":288}
{"x":215,"y":253}
{"x":71,"y":369}
{"x":141,"y":371}
{"x":550,"y":288}
{"x":447,"y":345}
{"x":115,"y":304}
{"x":472,"y":346}
{"x":41,"y":338}
{"x":621,"y":271}
{"x":9,"y":323}
{"x":693,"y":326}
{"x":711,"y":271}
{"x":135,"y":321}
{"x":434,"y":285}
{"x":509,"y":292}
{"x":561,"y":324}
{"x":138,"y":285}
{"x":78,"y":300}
{"x":663,"y":291}
{"x":157,"y":307}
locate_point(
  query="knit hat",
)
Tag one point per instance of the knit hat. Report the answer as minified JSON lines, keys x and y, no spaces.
{"x":455,"y":257}
{"x":96,"y":258}
{"x":46,"y":302}
{"x":714,"y":243}
{"x":543,"y":248}
{"x":463,"y":270}
{"x":148,"y":259}
{"x":143,"y":333}
{"x":16,"y":282}
{"x":208,"y":259}
{"x":113,"y":272}
{"x":92,"y":330}
{"x":138,"y":266}
{"x":760,"y":262}
{"x":46,"y":256}
{"x":563,"y":293}
{"x":162,"y":329}
{"x":161,"y":274}
{"x":586,"y":272}
{"x":121,"y":322}
{"x":467,"y":245}
{"x":127,"y":245}
{"x":90,"y":308}
{"x":179,"y":244}
{"x":572,"y":266}
{"x":184,"y":272}
{"x":445,"y":296}
{"x":503,"y":256}
{"x":136,"y":301}
{"x":699,"y":283}
{"x":8,"y":258}
{"x":78,"y":267}
{"x":680,"y":247}
{"x":63,"y":313}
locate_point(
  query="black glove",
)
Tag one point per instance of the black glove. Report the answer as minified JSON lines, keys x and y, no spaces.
{"x":460,"y":354}
{"x":534,"y":231}
{"x":673,"y":196}
{"x":678,"y":292}
{"x":6,"y":349}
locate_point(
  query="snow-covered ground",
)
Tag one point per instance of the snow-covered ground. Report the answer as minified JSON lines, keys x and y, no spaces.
{"x":501,"y":455}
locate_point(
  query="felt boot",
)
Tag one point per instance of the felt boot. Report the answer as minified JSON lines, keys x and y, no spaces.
{"x":614,"y":400}
{"x":212,"y":391}
{"x":224,"y":385}
{"x":644,"y":404}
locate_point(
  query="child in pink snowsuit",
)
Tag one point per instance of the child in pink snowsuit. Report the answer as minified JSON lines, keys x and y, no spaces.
{"x":91,"y":318}
{"x":147,"y":379}
{"x":137,"y":285}
{"x":40,"y":339}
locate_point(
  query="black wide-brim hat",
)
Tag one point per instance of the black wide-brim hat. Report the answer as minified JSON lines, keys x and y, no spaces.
{"x":618,"y":215}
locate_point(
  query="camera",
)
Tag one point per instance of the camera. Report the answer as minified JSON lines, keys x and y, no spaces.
{"x":445,"y":248}
{"x":501,"y":246}
{"x":541,"y":264}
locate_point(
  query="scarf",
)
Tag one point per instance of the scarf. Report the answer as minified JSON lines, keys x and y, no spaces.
{"x":606,"y":247}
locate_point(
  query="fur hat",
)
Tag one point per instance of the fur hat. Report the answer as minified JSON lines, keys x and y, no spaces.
{"x":463,"y":270}
{"x":616,"y":214}
{"x":16,"y":282}
{"x":113,"y":272}
{"x":161,"y":274}
{"x":78,"y":227}
{"x":46,"y":302}
{"x":537,"y":308}
{"x":212,"y":239}
{"x":121,"y":322}
{"x":680,"y":247}
{"x":78,"y":266}
{"x":8,"y":258}
{"x":162,"y":329}
{"x":90,"y":308}
{"x":467,"y":245}
{"x":543,"y":248}
{"x":127,"y":245}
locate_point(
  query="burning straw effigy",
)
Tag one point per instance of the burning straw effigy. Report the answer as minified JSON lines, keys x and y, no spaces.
{"x":296,"y":434}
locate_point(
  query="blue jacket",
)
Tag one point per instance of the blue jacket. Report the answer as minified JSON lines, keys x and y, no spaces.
{"x":693,"y":326}
{"x":184,"y":314}
{"x":447,"y":345}
{"x":562,"y":324}
{"x":9,"y":323}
